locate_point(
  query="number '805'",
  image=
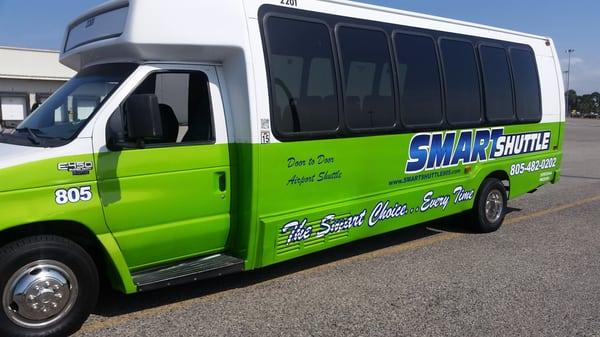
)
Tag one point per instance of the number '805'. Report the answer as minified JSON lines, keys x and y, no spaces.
{"x":73,"y":195}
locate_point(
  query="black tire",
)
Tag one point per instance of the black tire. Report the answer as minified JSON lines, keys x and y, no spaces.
{"x":481,"y":221}
{"x":29,"y":251}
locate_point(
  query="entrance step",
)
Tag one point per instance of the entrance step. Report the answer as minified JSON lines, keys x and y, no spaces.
{"x":187,"y":271}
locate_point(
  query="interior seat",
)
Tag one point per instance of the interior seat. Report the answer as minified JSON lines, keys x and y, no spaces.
{"x":170,"y":125}
{"x":310,"y":114}
{"x":380,"y":110}
{"x":357,"y":119}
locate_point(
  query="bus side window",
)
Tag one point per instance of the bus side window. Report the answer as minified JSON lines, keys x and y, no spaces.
{"x":463,"y":89}
{"x":419,"y":78}
{"x":369,"y":103}
{"x":302,"y":77}
{"x":497,"y":85}
{"x":527,"y":85}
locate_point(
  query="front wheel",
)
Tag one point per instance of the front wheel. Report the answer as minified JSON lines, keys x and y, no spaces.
{"x":49,"y":287}
{"x":490,"y":206}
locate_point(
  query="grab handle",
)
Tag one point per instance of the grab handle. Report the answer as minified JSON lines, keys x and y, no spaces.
{"x":222,"y":181}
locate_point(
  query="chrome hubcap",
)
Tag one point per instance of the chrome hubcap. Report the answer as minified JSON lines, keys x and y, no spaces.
{"x":40,"y":294}
{"x":494,"y":206}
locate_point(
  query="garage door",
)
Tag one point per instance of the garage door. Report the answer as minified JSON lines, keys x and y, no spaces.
{"x":13,"y":109}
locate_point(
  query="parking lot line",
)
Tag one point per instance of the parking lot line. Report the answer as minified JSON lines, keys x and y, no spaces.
{"x":552,"y":210}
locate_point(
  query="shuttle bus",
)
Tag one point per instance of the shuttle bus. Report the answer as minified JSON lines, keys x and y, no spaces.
{"x":202,"y":138}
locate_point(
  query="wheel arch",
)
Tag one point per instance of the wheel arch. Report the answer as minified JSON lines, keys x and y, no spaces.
{"x":502,"y":176}
{"x":103,"y":249}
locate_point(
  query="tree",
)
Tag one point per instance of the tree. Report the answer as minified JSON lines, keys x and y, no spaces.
{"x":572,"y":100}
{"x":595,"y":97}
{"x":584,"y":104}
{"x":589,"y":103}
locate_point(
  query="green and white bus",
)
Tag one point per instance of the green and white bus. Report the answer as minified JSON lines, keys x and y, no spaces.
{"x":202,"y":138}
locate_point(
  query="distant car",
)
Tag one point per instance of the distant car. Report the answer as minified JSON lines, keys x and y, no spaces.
{"x":591,"y":115}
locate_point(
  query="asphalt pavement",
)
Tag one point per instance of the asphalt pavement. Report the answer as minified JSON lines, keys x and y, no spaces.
{"x":538,"y":276}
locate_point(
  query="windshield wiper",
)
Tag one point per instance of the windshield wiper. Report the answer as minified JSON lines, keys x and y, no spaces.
{"x":32,"y":136}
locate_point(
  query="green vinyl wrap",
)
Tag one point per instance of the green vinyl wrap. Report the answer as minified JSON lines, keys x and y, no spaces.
{"x":153,"y":207}
{"x":27,"y":196}
{"x":340,"y":179}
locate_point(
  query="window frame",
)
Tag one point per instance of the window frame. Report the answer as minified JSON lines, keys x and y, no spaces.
{"x":39,"y":96}
{"x":529,"y":50}
{"x":342,"y":97}
{"x":389,"y":28}
{"x":267,"y":48}
{"x":405,"y":126}
{"x":109,"y":133}
{"x":479,"y":73}
{"x":513,"y":120}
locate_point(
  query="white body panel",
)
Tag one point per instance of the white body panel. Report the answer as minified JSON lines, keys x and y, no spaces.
{"x":15,"y":155}
{"x":228,"y":33}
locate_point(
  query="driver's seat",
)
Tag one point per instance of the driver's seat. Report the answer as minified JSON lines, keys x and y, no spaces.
{"x":170,"y":124}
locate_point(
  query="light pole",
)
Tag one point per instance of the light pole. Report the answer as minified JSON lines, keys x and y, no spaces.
{"x":569,"y":52}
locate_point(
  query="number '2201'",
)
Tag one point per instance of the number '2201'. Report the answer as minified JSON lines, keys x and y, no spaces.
{"x":293,"y":3}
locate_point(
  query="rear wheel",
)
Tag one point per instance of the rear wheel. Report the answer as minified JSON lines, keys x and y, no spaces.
{"x":49,"y":286}
{"x":490,"y":206}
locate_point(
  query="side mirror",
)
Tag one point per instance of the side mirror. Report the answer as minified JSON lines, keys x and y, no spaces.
{"x":143,"y":117}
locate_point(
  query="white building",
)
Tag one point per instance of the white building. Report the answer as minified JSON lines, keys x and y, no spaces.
{"x":27,"y":77}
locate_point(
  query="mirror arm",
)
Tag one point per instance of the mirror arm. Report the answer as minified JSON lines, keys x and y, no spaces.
{"x":141,"y":144}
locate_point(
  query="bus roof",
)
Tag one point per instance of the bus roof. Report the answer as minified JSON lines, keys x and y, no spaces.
{"x":155,"y":30}
{"x":431,"y":17}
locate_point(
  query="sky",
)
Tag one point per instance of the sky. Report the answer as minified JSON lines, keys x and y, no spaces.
{"x":572,"y":24}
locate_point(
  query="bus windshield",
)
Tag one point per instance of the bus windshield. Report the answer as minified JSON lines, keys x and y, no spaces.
{"x":65,"y":113}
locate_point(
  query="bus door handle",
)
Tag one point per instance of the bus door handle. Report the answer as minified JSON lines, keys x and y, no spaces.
{"x":222,"y":180}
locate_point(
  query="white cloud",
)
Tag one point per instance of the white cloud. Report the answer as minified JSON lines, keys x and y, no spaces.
{"x":574,"y":61}
{"x":585,"y":76}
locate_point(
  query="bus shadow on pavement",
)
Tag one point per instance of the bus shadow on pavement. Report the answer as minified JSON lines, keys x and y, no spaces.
{"x":112,"y":303}
{"x":458,"y":223}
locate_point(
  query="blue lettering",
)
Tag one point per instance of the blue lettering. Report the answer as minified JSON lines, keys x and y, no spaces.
{"x":440,"y":153}
{"x":496,"y":134}
{"x":482,"y":140}
{"x":438,"y":150}
{"x":418,"y":153}
{"x":463,"y":148}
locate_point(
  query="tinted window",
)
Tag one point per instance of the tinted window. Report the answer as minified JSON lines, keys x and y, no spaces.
{"x":302,"y":75}
{"x":419,"y":80}
{"x":527,"y":85}
{"x":497,"y":84}
{"x":367,"y":75}
{"x":463,"y":93}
